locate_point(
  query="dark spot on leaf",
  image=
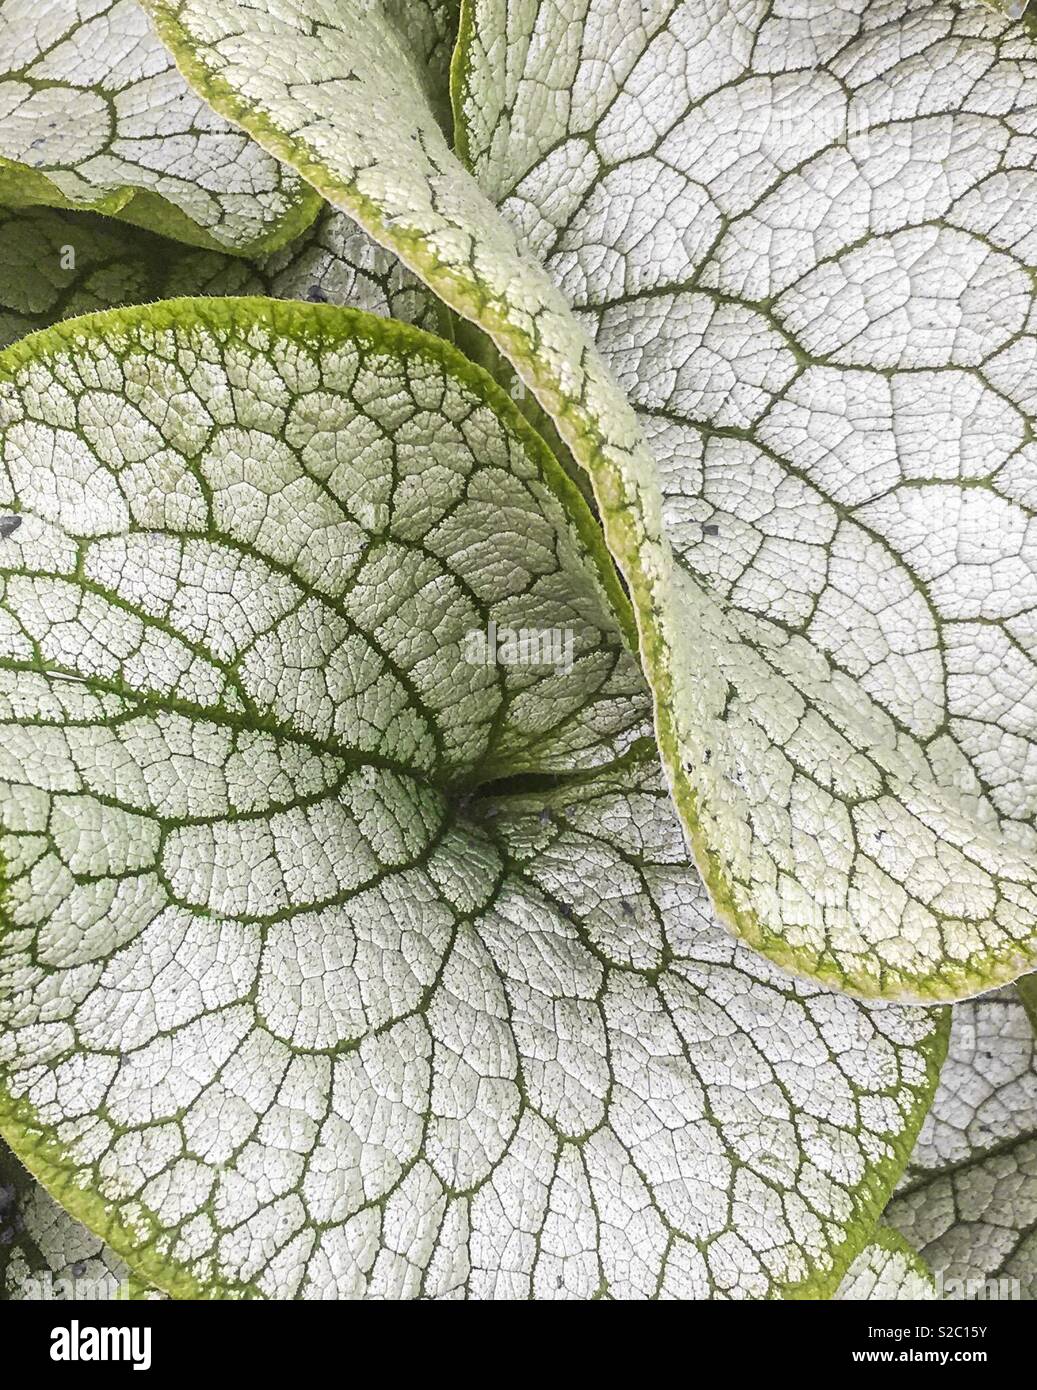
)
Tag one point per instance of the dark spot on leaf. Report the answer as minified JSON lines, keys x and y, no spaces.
{"x":316,"y":295}
{"x":628,"y":911}
{"x":711,"y":530}
{"x":78,"y":1270}
{"x":545,"y":816}
{"x":566,"y":911}
{"x":8,"y":526}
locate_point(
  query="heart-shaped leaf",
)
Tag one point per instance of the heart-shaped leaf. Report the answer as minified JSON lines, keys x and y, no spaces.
{"x":353,"y":946}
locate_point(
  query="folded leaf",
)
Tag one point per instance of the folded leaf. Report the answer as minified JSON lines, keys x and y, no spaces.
{"x":95,"y":116}
{"x":332,"y":966}
{"x":59,"y":264}
{"x":969,"y":1200}
{"x":887,"y":1269}
{"x":845,"y":723}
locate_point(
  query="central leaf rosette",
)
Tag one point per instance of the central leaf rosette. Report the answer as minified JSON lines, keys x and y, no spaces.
{"x":341,"y":954}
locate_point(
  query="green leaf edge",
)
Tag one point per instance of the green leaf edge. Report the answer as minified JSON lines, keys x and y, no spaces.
{"x":19,"y":1124}
{"x":948,"y":984}
{"x":886,"y":1238}
{"x":141,"y":207}
{"x":133,"y":1289}
{"x":877,"y":1189}
{"x":43,"y":1157}
{"x":588,"y":440}
{"x":1027,"y":990}
{"x":896,"y":1244}
{"x":340,"y":323}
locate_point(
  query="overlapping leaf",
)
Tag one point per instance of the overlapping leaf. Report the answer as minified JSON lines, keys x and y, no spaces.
{"x":429,"y":30}
{"x":841,"y":694}
{"x":59,"y":264}
{"x":887,"y":1269}
{"x":327,"y":973}
{"x":818,"y":297}
{"x":801,"y":244}
{"x":44,"y":1252}
{"x":95,"y":116}
{"x":1027,"y":987}
{"x":56,"y":265}
{"x":969,"y":1199}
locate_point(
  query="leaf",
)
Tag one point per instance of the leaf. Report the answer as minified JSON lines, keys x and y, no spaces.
{"x":888,"y":851}
{"x":334,"y":262}
{"x":1014,"y":9}
{"x":1027,"y":987}
{"x":44,"y":1252}
{"x":969,"y":1199}
{"x":95,"y":116}
{"x":793,"y":239}
{"x":887,"y":1269}
{"x":59,"y":264}
{"x":111,"y":264}
{"x":429,"y":29}
{"x":334,"y":965}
